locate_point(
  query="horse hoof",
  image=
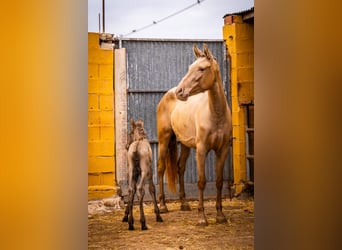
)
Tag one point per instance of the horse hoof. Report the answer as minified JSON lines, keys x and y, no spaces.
{"x":221,"y":220}
{"x":144,"y":228}
{"x":163,"y":209}
{"x":130,"y":228}
{"x":202,"y":223}
{"x":185,"y":207}
{"x":125,"y":219}
{"x":159,"y":218}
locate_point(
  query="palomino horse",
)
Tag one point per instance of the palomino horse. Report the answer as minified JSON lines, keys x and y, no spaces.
{"x":197,"y":114}
{"x":139,"y":165}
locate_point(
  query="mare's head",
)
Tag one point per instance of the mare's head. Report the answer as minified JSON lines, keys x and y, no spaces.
{"x":201,"y":75}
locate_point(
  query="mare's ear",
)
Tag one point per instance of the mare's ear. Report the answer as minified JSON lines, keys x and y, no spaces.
{"x":198,"y":53}
{"x":207,"y":53}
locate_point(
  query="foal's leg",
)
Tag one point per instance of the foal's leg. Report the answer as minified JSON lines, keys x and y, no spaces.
{"x":201,"y":183}
{"x":141,"y":193}
{"x":220,"y":158}
{"x":152,"y":191}
{"x":125,"y":218}
{"x":185,"y":151}
{"x":131,"y":193}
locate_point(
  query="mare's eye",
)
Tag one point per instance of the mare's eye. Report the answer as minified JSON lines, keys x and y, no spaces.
{"x":201,"y":69}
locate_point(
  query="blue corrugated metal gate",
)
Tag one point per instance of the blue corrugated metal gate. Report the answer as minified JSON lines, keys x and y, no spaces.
{"x":153,"y":67}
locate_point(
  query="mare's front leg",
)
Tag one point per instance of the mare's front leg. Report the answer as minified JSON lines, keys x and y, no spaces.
{"x":220,"y":158}
{"x":185,"y":151}
{"x":201,"y":154}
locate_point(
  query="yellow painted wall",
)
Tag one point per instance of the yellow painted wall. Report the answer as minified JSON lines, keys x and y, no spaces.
{"x":101,"y":158}
{"x":239,"y":37}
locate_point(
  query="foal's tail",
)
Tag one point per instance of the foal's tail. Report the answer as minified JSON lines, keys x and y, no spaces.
{"x":171,"y":164}
{"x":136,"y":158}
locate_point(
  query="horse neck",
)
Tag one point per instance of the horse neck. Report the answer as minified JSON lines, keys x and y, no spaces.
{"x":217,"y":98}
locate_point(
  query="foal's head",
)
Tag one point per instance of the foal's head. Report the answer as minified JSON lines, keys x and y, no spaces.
{"x":137,"y":130}
{"x":201,"y":75}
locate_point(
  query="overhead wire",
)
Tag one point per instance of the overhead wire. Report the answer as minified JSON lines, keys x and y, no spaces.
{"x":164,"y":18}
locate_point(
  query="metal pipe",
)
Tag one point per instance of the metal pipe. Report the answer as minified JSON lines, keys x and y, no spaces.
{"x":103,"y":16}
{"x":147,"y":91}
{"x":99,"y":22}
{"x":247,"y":143}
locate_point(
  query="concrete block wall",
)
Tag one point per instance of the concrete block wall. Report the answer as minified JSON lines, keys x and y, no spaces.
{"x":239,"y":38}
{"x":101,"y":157}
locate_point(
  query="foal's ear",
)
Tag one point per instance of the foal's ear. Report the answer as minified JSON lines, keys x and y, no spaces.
{"x":207,"y":53}
{"x":198,"y":53}
{"x":132,"y":123}
{"x":141,"y":122}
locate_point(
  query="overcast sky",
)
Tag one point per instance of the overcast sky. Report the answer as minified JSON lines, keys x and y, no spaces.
{"x":203,"y":21}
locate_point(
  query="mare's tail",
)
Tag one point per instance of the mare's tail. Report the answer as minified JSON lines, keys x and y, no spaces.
{"x":171,"y":164}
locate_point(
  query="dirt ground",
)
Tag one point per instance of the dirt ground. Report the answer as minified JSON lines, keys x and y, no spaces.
{"x":178,"y":230}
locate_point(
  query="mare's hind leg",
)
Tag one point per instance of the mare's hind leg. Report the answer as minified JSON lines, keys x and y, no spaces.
{"x":164,"y":132}
{"x":185,"y":151}
{"x":152,"y":191}
{"x":162,"y":150}
{"x":220,"y":158}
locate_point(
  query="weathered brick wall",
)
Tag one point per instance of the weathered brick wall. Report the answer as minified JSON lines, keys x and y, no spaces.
{"x":239,"y":37}
{"x":101,"y":158}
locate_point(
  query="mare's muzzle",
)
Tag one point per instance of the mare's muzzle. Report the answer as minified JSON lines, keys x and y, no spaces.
{"x":182,"y":94}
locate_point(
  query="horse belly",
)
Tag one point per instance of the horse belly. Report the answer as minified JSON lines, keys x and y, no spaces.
{"x":183,"y":123}
{"x":186,"y":139}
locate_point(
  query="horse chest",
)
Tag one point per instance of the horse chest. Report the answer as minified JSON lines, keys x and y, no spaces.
{"x":218,"y":138}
